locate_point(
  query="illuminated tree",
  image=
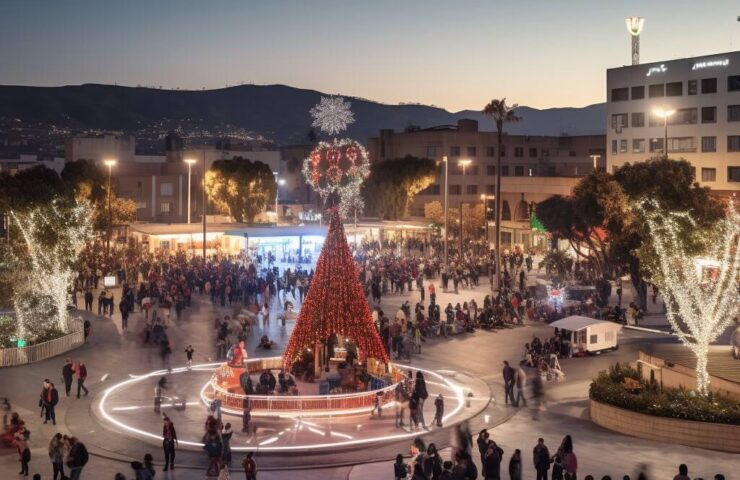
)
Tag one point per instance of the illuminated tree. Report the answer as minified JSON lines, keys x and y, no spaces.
{"x":700,"y":303}
{"x":335,"y":303}
{"x":53,"y":237}
{"x":393,"y":184}
{"x":240,"y":187}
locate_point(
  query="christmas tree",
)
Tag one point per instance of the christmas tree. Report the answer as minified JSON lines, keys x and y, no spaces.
{"x":335,"y":303}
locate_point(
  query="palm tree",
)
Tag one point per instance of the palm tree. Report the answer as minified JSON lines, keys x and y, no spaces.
{"x":501,"y":114}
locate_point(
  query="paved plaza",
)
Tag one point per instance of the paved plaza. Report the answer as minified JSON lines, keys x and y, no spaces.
{"x":113,"y":356}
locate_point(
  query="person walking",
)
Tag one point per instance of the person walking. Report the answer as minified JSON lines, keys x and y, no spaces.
{"x":541,"y":458}
{"x":68,"y":375}
{"x":226,"y":435}
{"x":81,"y":372}
{"x":189,"y":355}
{"x":509,"y":380}
{"x":439,"y":410}
{"x":420,"y":389}
{"x":515,"y":465}
{"x":250,"y":467}
{"x":169,"y":442}
{"x":78,"y":458}
{"x":521,"y":381}
{"x":56,"y":455}
{"x":24,"y":452}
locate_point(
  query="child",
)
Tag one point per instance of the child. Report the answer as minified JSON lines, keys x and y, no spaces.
{"x":439,"y":409}
{"x":377,"y":405}
{"x":189,"y":353}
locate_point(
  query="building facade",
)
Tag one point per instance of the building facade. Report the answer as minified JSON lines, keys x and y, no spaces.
{"x":533,"y":169}
{"x":697,"y":99}
{"x":101,"y":147}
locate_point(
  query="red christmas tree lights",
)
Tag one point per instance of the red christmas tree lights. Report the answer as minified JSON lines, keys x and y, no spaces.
{"x":335,"y":303}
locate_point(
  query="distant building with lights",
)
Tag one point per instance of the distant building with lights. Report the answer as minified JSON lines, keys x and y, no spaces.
{"x":702,"y":97}
{"x":533,"y":169}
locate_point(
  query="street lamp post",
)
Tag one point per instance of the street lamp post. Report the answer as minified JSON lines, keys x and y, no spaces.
{"x":278,"y":183}
{"x":463,"y":163}
{"x":204,"y":206}
{"x":190,"y":163}
{"x":444,"y":159}
{"x":662,"y":112}
{"x":109,"y":163}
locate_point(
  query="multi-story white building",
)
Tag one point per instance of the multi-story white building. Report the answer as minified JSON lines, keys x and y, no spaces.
{"x":701,"y":96}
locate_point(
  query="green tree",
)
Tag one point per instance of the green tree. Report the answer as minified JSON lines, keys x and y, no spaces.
{"x":393,"y":184}
{"x":86,"y":181}
{"x":240,"y":187}
{"x":501,"y":114}
{"x":29,"y":188}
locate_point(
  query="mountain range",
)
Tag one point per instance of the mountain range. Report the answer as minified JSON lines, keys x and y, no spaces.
{"x":278,"y":112}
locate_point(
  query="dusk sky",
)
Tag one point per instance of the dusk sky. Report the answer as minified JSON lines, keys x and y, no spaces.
{"x":453,"y":54}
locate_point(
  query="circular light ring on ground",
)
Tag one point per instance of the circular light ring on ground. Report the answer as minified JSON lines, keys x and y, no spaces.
{"x":456,"y":389}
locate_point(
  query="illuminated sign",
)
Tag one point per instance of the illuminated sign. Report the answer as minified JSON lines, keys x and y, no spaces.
{"x":711,"y":63}
{"x":659,"y":69}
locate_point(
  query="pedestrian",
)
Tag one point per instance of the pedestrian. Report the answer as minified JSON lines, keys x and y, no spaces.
{"x":223,"y":473}
{"x":377,"y":405}
{"x":541,"y":458}
{"x":56,"y":455}
{"x":49,"y":399}
{"x":492,"y":461}
{"x":169,"y":442}
{"x":515,"y":465}
{"x":24,"y":453}
{"x":189,"y":355}
{"x":78,"y":458}
{"x":250,"y":467}
{"x":521,"y":381}
{"x":144,"y":471}
{"x":81,"y":372}
{"x":509,"y":381}
{"x":683,"y":473}
{"x":226,"y":435}
{"x":246,"y":414}
{"x":68,"y":375}
{"x":400,"y":468}
{"x":88,"y":300}
{"x":565,"y":462}
{"x":439,"y":410}
{"x":420,"y":389}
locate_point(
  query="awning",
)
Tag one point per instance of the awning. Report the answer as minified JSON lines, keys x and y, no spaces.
{"x":576,"y":322}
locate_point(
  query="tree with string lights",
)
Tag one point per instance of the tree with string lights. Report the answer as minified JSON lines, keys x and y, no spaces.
{"x":700,"y":304}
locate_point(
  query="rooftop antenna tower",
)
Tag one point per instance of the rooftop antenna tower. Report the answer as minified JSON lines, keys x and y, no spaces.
{"x":634,"y":26}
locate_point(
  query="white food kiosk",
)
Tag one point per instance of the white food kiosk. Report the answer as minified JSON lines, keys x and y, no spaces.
{"x":589,"y":335}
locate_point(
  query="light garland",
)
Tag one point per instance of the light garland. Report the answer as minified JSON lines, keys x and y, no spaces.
{"x":339,"y":166}
{"x":332,"y":115}
{"x":705,"y":307}
{"x":44,"y":291}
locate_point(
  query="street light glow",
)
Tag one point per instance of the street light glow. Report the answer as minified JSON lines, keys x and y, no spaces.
{"x":109,"y":162}
{"x":281,"y":181}
{"x":190,"y":161}
{"x":464,"y":162}
{"x":663,"y":113}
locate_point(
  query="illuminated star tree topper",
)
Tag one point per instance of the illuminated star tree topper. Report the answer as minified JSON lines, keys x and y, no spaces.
{"x":332,"y":115}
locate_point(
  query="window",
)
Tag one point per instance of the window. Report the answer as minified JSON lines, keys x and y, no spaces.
{"x":490,"y":189}
{"x":490,"y":152}
{"x":656,"y":144}
{"x":657,"y":90}
{"x":471,"y":189}
{"x":165,"y":207}
{"x":683,"y":116}
{"x":433,"y":189}
{"x":519,"y":171}
{"x":708,"y":174}
{"x":708,"y":85}
{"x":165,"y":190}
{"x":614,"y":147}
{"x":733,"y":83}
{"x":593,"y":339}
{"x":708,"y":144}
{"x":681,"y":144}
{"x":638,"y":93}
{"x":691,"y":87}
{"x":505,"y":237}
{"x":455,"y":189}
{"x":532,"y":152}
{"x":620,"y":94}
{"x":505,"y":211}
{"x":619,"y":120}
{"x":733,"y":174}
{"x":431,"y":151}
{"x":733,"y":143}
{"x":504,"y":170}
{"x":518,"y":152}
{"x":491,"y":170}
{"x":733,"y":113}
{"x":623,"y":146}
{"x":674,"y":89}
{"x":454,"y":151}
{"x":708,"y":114}
{"x":638,"y":145}
{"x":638,"y":119}
{"x":472,"y":151}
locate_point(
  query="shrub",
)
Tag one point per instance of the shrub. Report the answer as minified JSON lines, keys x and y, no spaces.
{"x":608,"y":387}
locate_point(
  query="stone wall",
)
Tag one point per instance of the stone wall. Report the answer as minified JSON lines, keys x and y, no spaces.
{"x":712,"y":436}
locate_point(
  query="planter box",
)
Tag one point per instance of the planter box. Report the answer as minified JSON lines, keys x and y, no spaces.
{"x":11,"y":357}
{"x":712,"y":436}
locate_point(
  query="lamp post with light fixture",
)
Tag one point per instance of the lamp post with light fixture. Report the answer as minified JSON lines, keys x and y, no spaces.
{"x":190,"y":163}
{"x":109,"y":163}
{"x":278,"y":183}
{"x":444,"y":159}
{"x":464,"y":162}
{"x":662,"y":112}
